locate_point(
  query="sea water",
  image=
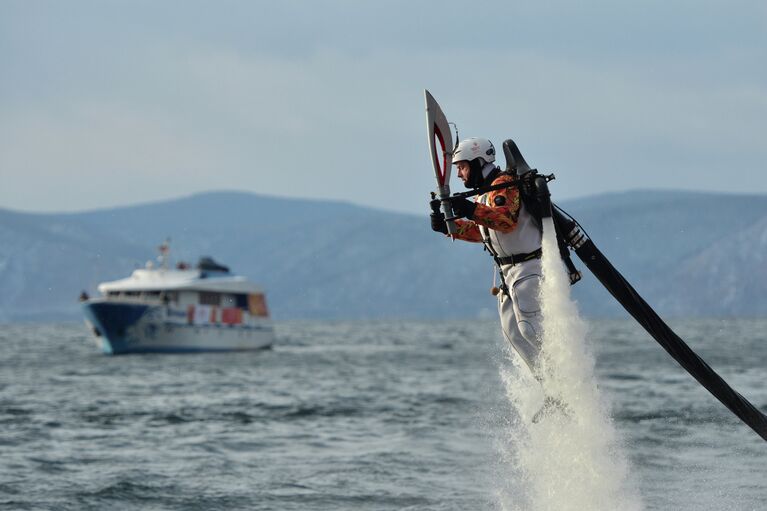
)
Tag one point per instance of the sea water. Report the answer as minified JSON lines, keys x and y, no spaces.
{"x":385,"y":415}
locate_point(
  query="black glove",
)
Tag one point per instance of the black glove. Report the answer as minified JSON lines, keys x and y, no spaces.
{"x":438,"y":223}
{"x":463,"y":207}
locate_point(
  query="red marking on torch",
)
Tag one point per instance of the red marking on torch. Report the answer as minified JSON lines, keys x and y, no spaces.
{"x":442,"y":168}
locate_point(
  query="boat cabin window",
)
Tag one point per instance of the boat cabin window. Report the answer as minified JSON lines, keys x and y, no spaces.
{"x":228,"y":301}
{"x":208,"y":298}
{"x":242,"y":301}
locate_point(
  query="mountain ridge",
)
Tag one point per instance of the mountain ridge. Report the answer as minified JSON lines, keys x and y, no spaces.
{"x":335,"y":259}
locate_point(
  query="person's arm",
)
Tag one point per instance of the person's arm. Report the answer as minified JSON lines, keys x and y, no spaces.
{"x":467,"y":231}
{"x":503,"y":213}
{"x":501,"y":216}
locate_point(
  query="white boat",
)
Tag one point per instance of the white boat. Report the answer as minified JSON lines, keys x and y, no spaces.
{"x":161,"y":310}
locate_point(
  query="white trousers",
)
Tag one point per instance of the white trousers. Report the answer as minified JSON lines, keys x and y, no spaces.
{"x":521,"y":319}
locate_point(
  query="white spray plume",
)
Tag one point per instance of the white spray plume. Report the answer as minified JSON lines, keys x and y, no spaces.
{"x":572,"y":459}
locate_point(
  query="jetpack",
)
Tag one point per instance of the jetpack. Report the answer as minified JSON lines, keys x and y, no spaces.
{"x":572,"y":236}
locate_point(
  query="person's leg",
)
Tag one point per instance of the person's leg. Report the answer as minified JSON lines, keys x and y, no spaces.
{"x":525,"y":293}
{"x":520,"y":316}
{"x":511,"y":331}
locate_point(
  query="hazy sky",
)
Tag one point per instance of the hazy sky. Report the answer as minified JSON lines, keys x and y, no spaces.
{"x":107,"y":103}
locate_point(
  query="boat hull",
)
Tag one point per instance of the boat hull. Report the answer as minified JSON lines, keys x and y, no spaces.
{"x":122,"y":328}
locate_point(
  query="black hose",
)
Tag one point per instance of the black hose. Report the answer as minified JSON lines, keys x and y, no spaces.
{"x":627,"y":296}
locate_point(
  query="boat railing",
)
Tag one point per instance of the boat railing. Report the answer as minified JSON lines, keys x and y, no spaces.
{"x":140,"y":297}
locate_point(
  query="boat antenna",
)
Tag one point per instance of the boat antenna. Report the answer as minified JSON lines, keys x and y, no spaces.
{"x":164,"y":249}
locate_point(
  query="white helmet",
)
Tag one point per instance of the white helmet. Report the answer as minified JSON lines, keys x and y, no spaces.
{"x":472,"y":148}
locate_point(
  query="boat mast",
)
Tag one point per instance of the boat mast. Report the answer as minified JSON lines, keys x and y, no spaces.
{"x":164,"y":249}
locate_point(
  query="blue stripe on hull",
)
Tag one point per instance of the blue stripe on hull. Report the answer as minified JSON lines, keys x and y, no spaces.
{"x":113,"y":320}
